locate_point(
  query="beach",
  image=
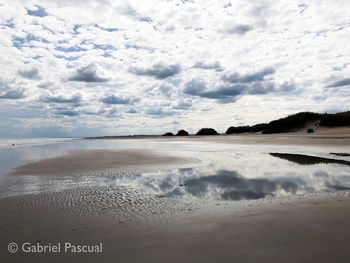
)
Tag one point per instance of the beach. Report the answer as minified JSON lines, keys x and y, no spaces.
{"x":194,"y":199}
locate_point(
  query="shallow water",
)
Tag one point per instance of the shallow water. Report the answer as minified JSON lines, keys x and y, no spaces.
{"x":225,"y":171}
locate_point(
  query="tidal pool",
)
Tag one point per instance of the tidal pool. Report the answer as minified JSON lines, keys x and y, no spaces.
{"x":221,"y":172}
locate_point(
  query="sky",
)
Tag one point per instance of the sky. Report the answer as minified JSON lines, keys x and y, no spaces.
{"x":86,"y":68}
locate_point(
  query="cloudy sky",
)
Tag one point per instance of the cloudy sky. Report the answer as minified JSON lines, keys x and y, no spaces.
{"x":81,"y":67}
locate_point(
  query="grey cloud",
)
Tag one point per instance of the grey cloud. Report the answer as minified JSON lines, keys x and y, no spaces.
{"x":224,"y":93}
{"x":194,"y":87}
{"x":208,"y":65}
{"x":69,"y":113}
{"x":32,"y":73}
{"x":116,"y":99}
{"x":198,"y":88}
{"x":87,"y":74}
{"x":165,"y":89}
{"x":239,"y":29}
{"x":340,"y":83}
{"x":13,"y":94}
{"x":158,"y":71}
{"x":249,"y":77}
{"x":235,"y":85}
{"x":46,"y":85}
{"x":61,"y":99}
{"x":132,"y":12}
{"x":183,"y":105}
{"x":237,"y":187}
{"x":131,"y":111}
{"x":229,"y":93}
{"x":159,"y":112}
{"x":227,"y":185}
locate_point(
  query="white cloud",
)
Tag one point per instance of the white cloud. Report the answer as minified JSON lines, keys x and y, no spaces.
{"x":152,"y":50}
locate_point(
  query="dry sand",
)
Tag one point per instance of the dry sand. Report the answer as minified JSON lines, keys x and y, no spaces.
{"x":326,"y":138}
{"x":135,"y":227}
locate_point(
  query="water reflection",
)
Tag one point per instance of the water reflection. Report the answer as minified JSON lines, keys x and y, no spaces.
{"x":227,"y":172}
{"x":307,"y":159}
{"x":274,"y":177}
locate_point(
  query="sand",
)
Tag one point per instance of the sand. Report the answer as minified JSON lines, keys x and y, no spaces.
{"x":138,"y":227}
{"x":337,"y":139}
{"x":89,"y":160}
{"x":314,"y":229}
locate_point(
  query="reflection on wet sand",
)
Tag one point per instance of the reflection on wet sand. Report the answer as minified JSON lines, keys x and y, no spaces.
{"x":307,"y":159}
{"x":224,"y":173}
{"x":236,"y":187}
{"x":276,"y":179}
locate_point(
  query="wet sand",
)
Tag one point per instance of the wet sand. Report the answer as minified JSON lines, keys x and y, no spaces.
{"x":138,"y":227}
{"x":309,"y":229}
{"x":89,"y":160}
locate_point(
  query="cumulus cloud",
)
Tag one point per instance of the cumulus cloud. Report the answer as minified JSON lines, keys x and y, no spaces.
{"x":210,"y":54}
{"x":208,"y":65}
{"x":69,"y":113}
{"x":240,"y":29}
{"x":183,"y":105}
{"x":119,"y":99}
{"x":234,"y":77}
{"x":62,"y":99}
{"x":340,"y":83}
{"x":158,"y":71}
{"x":222,"y":93}
{"x":163,"y":89}
{"x":132,"y":111}
{"x":32,"y":73}
{"x":12,"y":94}
{"x":159,"y":112}
{"x":9,"y":92}
{"x":194,"y":87}
{"x":87,"y":74}
{"x":235,"y":85}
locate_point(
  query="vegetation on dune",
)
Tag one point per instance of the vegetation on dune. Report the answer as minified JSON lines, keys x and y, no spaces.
{"x":168,"y":134}
{"x":290,"y":123}
{"x":295,"y":122}
{"x":335,"y":120}
{"x":182,"y":133}
{"x":310,"y":130}
{"x":244,"y":129}
{"x":207,"y":131}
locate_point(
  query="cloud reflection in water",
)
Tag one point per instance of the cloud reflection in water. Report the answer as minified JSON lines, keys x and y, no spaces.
{"x":277,"y":178}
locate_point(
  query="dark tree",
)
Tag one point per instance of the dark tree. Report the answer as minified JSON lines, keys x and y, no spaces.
{"x":168,"y":134}
{"x":337,"y":119}
{"x":295,"y":122}
{"x":242,"y":129}
{"x":182,"y":133}
{"x":207,"y":131}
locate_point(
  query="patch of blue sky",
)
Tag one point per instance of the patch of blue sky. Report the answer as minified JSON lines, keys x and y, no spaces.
{"x":103,"y":47}
{"x":40,"y":12}
{"x":69,"y":58}
{"x":9,"y":23}
{"x":70,"y":49}
{"x":109,"y":29}
{"x":20,"y":42}
{"x":76,"y":29}
{"x":107,"y":55}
